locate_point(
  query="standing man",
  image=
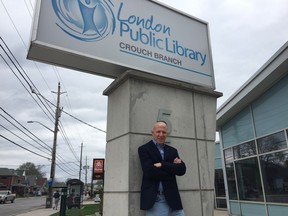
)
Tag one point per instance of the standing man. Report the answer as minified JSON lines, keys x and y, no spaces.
{"x":160,"y":164}
{"x":56,"y":199}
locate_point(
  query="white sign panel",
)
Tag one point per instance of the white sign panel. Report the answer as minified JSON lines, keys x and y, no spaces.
{"x":107,"y":37}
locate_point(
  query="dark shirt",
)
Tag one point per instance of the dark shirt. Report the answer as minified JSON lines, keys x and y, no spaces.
{"x":56,"y":195}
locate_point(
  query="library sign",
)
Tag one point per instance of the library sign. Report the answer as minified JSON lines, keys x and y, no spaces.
{"x":107,"y":37}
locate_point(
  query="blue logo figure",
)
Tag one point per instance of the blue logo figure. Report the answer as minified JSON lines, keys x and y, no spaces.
{"x":86,"y":20}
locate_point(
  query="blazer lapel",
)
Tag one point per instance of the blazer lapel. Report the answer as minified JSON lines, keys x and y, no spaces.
{"x":166,"y":153}
{"x":156,"y":151}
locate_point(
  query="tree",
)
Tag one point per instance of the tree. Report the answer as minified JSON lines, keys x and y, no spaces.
{"x":31,"y":169}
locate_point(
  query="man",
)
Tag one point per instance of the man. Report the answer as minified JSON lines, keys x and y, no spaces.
{"x":160,"y":164}
{"x":56,"y":199}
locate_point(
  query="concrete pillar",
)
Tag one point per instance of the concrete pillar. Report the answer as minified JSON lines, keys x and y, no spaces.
{"x":134,"y":101}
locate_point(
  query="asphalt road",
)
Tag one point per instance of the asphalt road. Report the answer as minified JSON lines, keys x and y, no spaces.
{"x":21,"y":205}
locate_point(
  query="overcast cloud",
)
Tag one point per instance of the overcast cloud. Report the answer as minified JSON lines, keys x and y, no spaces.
{"x":243,"y":34}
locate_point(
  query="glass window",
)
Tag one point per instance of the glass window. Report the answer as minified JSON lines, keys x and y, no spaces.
{"x":221,"y":203}
{"x":248,"y":179}
{"x":276,"y":210}
{"x":228,"y":154}
{"x":244,"y":150}
{"x":272,"y":142}
{"x":231,"y":181}
{"x":217,"y":150}
{"x":219,"y":183}
{"x":253,"y":209}
{"x":275,"y":176}
{"x":235,"y":208}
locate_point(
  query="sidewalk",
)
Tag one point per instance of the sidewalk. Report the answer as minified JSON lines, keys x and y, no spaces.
{"x":38,"y":212}
{"x":48,"y":211}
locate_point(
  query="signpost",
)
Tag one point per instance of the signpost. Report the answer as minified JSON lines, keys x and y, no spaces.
{"x":108,"y":37}
{"x":98,"y":169}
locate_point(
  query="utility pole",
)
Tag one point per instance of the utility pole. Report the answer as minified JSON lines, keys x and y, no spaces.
{"x":53,"y":161}
{"x":80,"y":161}
{"x":86,"y":168}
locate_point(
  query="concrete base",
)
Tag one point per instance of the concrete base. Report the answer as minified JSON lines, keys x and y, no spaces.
{"x":135,"y":102}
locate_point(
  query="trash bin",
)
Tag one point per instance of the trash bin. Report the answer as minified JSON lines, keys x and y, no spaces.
{"x":49,"y":202}
{"x":63,"y":201}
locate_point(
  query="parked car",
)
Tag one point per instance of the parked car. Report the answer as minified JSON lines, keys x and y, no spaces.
{"x":38,"y":193}
{"x":6,"y":195}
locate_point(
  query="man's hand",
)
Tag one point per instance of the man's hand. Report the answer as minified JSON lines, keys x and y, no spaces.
{"x":177,"y":160}
{"x":158,"y":165}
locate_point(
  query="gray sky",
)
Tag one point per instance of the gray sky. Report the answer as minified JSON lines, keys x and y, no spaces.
{"x":243,"y":34}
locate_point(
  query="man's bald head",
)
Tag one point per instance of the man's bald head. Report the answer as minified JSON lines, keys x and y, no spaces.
{"x":159,"y":132}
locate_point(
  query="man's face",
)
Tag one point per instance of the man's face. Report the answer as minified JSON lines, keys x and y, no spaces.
{"x":159,"y":132}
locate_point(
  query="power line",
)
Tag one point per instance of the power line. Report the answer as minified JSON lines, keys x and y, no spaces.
{"x":22,"y":138}
{"x":45,"y":147}
{"x":24,"y":148}
{"x":33,"y":91}
{"x":58,"y":156}
{"x":84,"y":122}
{"x":74,"y":116}
{"x":14,"y":24}
{"x":28,"y":9}
{"x":22,"y":77}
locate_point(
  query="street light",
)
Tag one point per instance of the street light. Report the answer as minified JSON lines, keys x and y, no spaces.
{"x":53,"y":160}
{"x":41,"y":124}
